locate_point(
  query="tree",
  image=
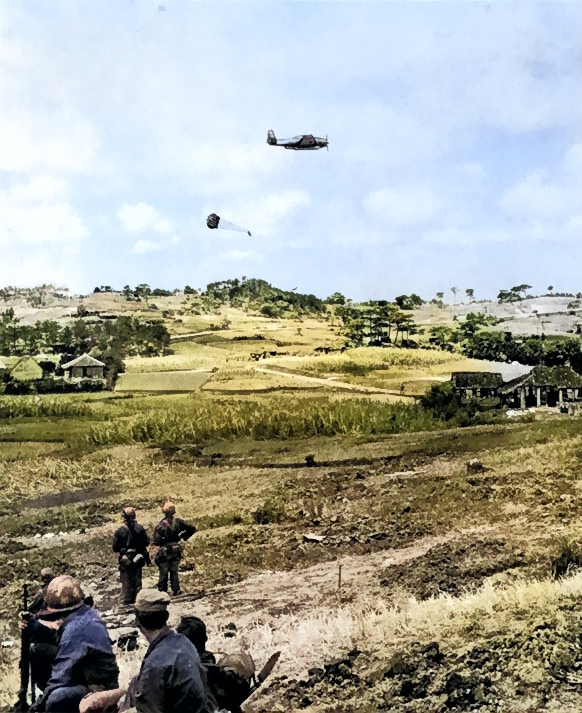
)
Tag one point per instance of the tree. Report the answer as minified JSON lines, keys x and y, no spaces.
{"x":454,"y":290}
{"x":521,"y":288}
{"x":142,"y":291}
{"x":440,"y":295}
{"x":508,"y":296}
{"x":470,"y":292}
{"x":550,"y":289}
{"x":127,"y":292}
{"x":336,"y":299}
{"x":409,"y":301}
{"x":189,"y":290}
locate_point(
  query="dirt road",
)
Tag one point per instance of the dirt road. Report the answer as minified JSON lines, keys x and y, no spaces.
{"x":340,"y":385}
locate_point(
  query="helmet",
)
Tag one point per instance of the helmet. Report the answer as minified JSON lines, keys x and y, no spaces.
{"x":128,"y":513}
{"x":63,"y":594}
{"x":46,"y":574}
{"x":168,"y":508}
{"x":241,"y":663}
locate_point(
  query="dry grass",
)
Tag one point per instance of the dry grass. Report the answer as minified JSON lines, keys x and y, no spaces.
{"x":325,"y":634}
{"x":162,"y":381}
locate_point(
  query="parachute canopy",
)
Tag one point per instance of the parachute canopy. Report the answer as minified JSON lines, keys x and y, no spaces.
{"x":215,"y":221}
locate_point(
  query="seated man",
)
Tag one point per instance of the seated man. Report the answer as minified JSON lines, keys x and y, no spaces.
{"x":85,"y":660}
{"x":171,"y":678}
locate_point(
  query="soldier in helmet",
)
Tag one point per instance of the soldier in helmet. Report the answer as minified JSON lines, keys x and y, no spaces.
{"x":230,"y":682}
{"x":131,"y":541}
{"x":168,"y":534}
{"x":40,"y":641}
{"x":85,"y":660}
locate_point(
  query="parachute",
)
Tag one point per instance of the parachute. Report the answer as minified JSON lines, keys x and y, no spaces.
{"x":215,"y":221}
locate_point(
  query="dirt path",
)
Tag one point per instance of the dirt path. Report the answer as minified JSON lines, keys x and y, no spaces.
{"x":187,"y":337}
{"x":331,"y":381}
{"x":272,"y":594}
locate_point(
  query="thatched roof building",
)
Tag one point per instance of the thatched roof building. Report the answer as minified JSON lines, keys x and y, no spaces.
{"x":84,"y":367}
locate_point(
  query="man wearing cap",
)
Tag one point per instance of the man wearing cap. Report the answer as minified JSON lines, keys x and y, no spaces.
{"x":171,"y":678}
{"x":85,"y":660}
{"x":168,"y":534}
{"x":130,"y":541}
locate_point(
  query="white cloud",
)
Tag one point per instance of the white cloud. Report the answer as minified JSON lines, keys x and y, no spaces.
{"x":141,"y":217}
{"x":141,"y":247}
{"x":403,"y":207}
{"x":262,"y":216}
{"x":38,"y":212}
{"x":572,"y":162}
{"x":470,"y":169}
{"x":236,"y":255}
{"x":533,"y":198}
{"x":41,"y":234}
{"x":52,"y":143}
{"x":469,"y":236}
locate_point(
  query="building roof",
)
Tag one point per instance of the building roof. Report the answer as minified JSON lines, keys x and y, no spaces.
{"x":83,"y":360}
{"x":3,"y":365}
{"x":561,"y":377}
{"x":26,"y":368}
{"x":476,"y":379}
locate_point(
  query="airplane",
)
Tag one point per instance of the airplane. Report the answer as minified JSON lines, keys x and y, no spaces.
{"x":306,"y":142}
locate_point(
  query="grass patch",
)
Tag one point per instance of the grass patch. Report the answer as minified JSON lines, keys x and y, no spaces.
{"x":38,"y":407}
{"x":162,"y":381}
{"x":358,"y":361}
{"x":278,"y":417}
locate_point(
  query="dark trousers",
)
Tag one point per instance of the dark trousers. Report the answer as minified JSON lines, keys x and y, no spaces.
{"x":66,"y":699}
{"x":130,"y":583}
{"x":169,"y":567}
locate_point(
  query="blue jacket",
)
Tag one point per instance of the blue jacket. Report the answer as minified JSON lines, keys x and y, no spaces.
{"x":81,"y":635}
{"x":171,"y":678}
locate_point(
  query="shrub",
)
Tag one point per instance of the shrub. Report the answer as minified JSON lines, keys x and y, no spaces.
{"x":444,"y":403}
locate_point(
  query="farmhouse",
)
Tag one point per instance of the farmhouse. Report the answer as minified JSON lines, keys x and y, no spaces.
{"x":543,"y":386}
{"x":479,"y":384}
{"x":24,"y":368}
{"x":83,"y":367}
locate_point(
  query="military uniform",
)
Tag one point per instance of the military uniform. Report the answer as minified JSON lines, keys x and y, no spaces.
{"x":41,"y":643}
{"x":130,"y":542}
{"x":85,"y":660}
{"x":167,"y":536}
{"x":171,"y":678}
{"x":230,"y":681}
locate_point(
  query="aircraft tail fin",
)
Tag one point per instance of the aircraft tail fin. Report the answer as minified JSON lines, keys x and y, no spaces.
{"x":271,"y":138}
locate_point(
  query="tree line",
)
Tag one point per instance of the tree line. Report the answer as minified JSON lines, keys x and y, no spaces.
{"x":109,"y":341}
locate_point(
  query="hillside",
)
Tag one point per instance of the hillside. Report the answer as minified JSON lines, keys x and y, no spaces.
{"x":458,"y":546}
{"x":537,"y":315}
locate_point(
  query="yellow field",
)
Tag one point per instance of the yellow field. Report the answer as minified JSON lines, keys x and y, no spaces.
{"x":163,"y":381}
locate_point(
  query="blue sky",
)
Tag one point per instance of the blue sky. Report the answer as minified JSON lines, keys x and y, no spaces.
{"x":455,"y":134}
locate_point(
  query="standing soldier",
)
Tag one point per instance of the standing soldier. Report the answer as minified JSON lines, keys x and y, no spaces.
{"x":167,"y":536}
{"x":40,"y":643}
{"x":131,"y":543}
